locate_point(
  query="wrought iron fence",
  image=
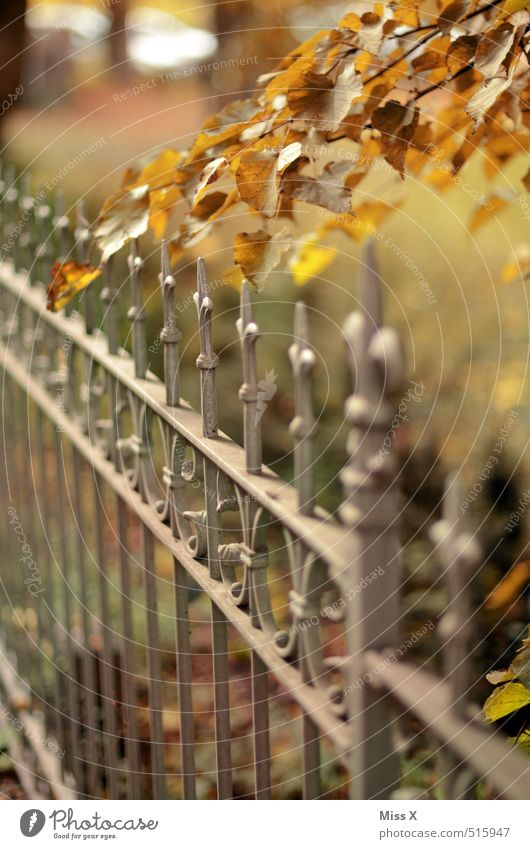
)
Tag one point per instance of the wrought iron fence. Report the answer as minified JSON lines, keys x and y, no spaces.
{"x":124,"y":510}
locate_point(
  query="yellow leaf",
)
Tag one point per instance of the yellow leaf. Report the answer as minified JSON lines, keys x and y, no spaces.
{"x":311,"y":259}
{"x":158,"y":173}
{"x":523,"y":740}
{"x":491,"y":206}
{"x":519,"y":264}
{"x":68,"y":278}
{"x":511,"y":6}
{"x":162,"y":202}
{"x":509,"y":589}
{"x":505,"y":700}
{"x":258,"y":253}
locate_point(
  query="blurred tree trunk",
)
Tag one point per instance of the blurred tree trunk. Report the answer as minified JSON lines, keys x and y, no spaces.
{"x":118,"y":37}
{"x":12,"y":43}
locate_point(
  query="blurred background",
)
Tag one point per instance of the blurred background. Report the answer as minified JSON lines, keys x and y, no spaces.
{"x":90,"y":87}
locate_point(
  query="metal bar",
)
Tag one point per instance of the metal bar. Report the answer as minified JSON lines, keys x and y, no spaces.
{"x":136,"y":313}
{"x":72,"y":684}
{"x":128,"y":676}
{"x":88,"y":660}
{"x":260,"y":717}
{"x":207,"y":361}
{"x":219,"y":640}
{"x":170,"y":334}
{"x":154,"y":670}
{"x":184,"y":679}
{"x":249,"y":334}
{"x":54,"y":718}
{"x":82,"y":242}
{"x":107,"y":666}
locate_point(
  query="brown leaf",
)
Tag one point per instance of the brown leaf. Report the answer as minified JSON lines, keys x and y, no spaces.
{"x":320,"y":100}
{"x":397,"y":124}
{"x":486,"y":95}
{"x":124,"y":216}
{"x":461,"y":53}
{"x":327,"y":190}
{"x":257,"y":254}
{"x":209,"y":209}
{"x":210,"y":173}
{"x":451,"y":14}
{"x":69,"y":278}
{"x":258,"y":176}
{"x":493,"y":48}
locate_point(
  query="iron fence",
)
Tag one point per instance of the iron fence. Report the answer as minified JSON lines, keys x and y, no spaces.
{"x":124,"y":509}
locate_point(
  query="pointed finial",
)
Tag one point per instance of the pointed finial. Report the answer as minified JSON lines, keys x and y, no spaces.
{"x":207,"y":361}
{"x":170,"y":334}
{"x":82,"y":246}
{"x":108,"y":297}
{"x":377,"y":364}
{"x":460,"y":555}
{"x":249,"y":392}
{"x":302,"y":427}
{"x":135,"y":313}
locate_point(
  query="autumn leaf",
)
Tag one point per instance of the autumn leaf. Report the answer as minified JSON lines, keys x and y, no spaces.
{"x":505,"y":700}
{"x":518,"y":265}
{"x":199,"y":222}
{"x":397,"y":123}
{"x":162,"y":203}
{"x":323,"y":102}
{"x":484,"y":98}
{"x":310,"y":259}
{"x":509,"y":589}
{"x":68,"y":278}
{"x":258,"y":176}
{"x":124,"y":216}
{"x":489,"y":208}
{"x":209,"y":175}
{"x":258,"y":253}
{"x":328,"y":190}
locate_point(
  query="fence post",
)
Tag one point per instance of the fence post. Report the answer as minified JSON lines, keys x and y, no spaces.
{"x":302,"y":427}
{"x":460,"y":554}
{"x":170,"y":334}
{"x":370,"y":510}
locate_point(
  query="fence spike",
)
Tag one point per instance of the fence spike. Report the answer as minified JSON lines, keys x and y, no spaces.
{"x":61,"y":226}
{"x":460,"y":554}
{"x":26,"y":213}
{"x":249,"y":392}
{"x":108,"y":297}
{"x":43,"y":218}
{"x":207,"y":361}
{"x":82,"y":244}
{"x":135,"y":313}
{"x":10,"y":203}
{"x":170,"y":334}
{"x":302,"y":427}
{"x":370,"y":509}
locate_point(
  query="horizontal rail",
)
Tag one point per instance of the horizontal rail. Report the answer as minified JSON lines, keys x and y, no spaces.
{"x":430,"y":700}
